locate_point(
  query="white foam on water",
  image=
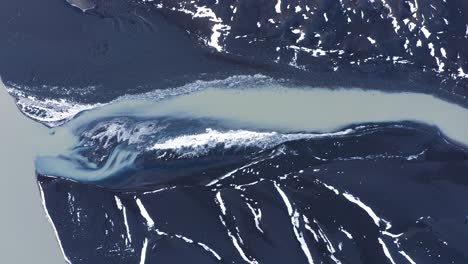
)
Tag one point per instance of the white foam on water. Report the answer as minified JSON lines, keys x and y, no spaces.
{"x":51,"y":112}
{"x":55,"y":112}
{"x":201,"y":143}
{"x":282,"y":109}
{"x":262,"y":117}
{"x":319,"y":110}
{"x":123,"y":131}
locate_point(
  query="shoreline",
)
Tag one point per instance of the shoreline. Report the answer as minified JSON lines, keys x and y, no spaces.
{"x":28,"y":236}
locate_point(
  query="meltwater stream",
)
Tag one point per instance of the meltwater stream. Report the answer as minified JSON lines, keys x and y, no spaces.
{"x":256,"y":117}
{"x":266,"y":174}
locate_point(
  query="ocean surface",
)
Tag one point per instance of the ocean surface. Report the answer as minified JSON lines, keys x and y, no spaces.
{"x":235,"y":131}
{"x":23,"y":225}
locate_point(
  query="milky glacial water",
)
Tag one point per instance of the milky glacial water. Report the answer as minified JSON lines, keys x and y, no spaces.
{"x":288,"y":113}
{"x":174,"y":132}
{"x":26,"y":235}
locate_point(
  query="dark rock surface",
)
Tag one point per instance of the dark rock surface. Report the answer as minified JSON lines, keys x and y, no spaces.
{"x":124,"y":47}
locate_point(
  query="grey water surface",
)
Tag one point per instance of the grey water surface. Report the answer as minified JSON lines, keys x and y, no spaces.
{"x":27,"y":237}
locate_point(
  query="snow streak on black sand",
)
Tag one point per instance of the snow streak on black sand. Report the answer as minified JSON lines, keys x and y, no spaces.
{"x":392,"y":195}
{"x":256,"y":175}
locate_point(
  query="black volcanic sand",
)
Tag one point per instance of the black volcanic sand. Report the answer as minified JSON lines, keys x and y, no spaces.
{"x":115,"y":50}
{"x":412,"y":178}
{"x":125,"y":47}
